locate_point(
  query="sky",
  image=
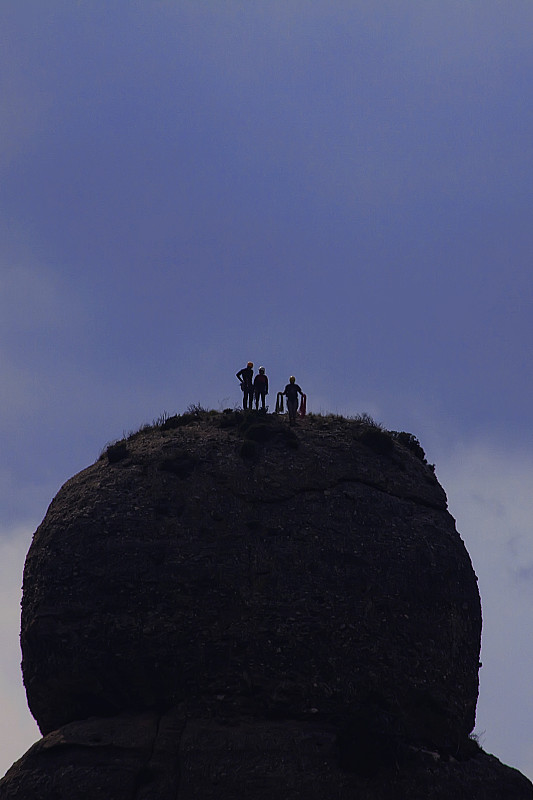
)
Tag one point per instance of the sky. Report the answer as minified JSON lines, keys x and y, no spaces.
{"x":336,"y":190}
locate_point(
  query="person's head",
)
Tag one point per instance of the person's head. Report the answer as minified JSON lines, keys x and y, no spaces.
{"x":250,"y":364}
{"x":262,"y":370}
{"x":292,"y":379}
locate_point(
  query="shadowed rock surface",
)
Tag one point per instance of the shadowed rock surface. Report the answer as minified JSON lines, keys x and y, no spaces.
{"x":223,"y":607}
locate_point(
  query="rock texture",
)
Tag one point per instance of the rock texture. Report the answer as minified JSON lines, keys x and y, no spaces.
{"x":225,"y":606}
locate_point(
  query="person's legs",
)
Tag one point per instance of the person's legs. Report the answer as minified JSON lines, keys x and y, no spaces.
{"x":292,"y":406}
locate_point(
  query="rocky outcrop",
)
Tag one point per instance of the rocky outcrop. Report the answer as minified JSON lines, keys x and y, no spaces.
{"x":224,"y":606}
{"x":172,"y":756}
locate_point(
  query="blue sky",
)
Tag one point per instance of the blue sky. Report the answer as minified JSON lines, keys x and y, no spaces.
{"x":336,"y":190}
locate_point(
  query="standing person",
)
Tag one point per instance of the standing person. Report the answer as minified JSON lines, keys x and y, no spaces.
{"x":291,"y":393}
{"x":245,"y":375}
{"x":260,"y":388}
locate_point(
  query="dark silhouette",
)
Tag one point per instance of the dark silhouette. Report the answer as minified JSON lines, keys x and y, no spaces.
{"x":291,"y":392}
{"x":191,"y":568}
{"x":260,"y":388}
{"x":245,"y":375}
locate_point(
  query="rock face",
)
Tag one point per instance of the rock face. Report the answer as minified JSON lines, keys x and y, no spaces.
{"x":224,"y":607}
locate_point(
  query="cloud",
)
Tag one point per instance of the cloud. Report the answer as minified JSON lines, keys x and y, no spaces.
{"x":35,"y":299}
{"x":18,"y":731}
{"x":24,"y":102}
{"x":39,"y":320}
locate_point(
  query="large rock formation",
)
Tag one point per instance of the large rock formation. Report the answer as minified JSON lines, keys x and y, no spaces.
{"x":224,"y":607}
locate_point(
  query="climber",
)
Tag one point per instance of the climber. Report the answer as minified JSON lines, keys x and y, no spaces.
{"x":245,"y":375}
{"x":291,"y":392}
{"x":260,"y":388}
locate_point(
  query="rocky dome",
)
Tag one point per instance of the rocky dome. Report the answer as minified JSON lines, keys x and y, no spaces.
{"x":226,"y":606}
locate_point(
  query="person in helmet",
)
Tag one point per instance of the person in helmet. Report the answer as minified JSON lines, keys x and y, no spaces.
{"x":291,"y":393}
{"x":260,"y":388}
{"x":246,"y":375}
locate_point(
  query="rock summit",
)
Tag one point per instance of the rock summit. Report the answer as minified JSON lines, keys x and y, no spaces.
{"x":225,"y":606}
